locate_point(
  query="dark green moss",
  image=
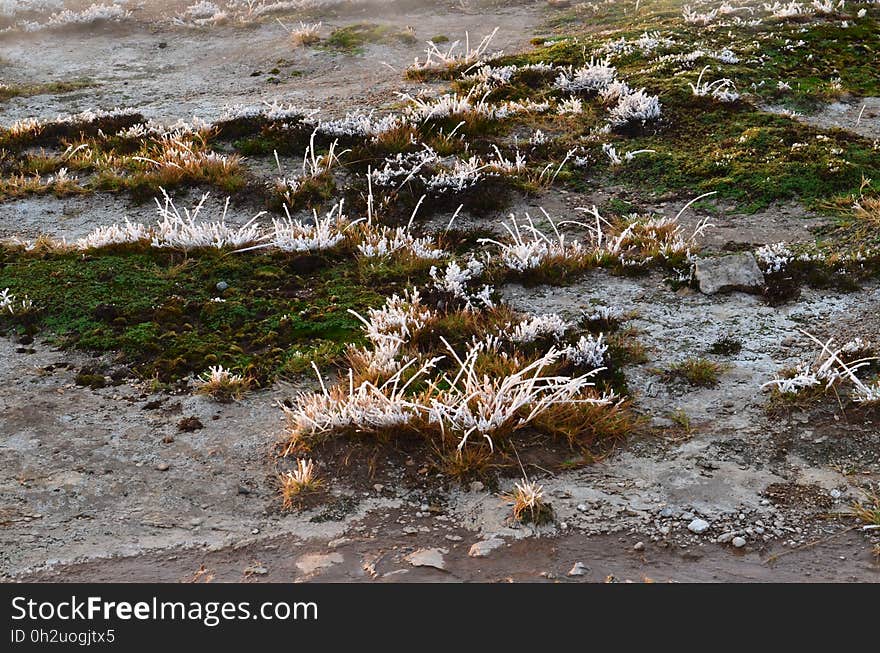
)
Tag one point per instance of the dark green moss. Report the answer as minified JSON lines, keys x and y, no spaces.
{"x":162,"y":313}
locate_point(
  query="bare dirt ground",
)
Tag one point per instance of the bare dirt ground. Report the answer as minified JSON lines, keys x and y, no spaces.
{"x":101,"y":485}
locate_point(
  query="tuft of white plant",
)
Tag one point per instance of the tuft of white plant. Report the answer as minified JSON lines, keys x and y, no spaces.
{"x":528,"y":499}
{"x":616,"y":159}
{"x":774,"y":258}
{"x":114,"y":234}
{"x":570,"y":106}
{"x":364,"y":407}
{"x":463,"y":175}
{"x":534,"y":327}
{"x":780,"y":10}
{"x":384,"y":242}
{"x":471,"y":404}
{"x":306,"y":33}
{"x":529,"y":247}
{"x":634,"y":107}
{"x":401,"y":317}
{"x":175,"y":154}
{"x":9,"y":8}
{"x":827,"y":6}
{"x":695,"y":18}
{"x":856,"y":345}
{"x":303,"y":475}
{"x":455,"y":281}
{"x":455,"y":54}
{"x":538,"y":138}
{"x":219,"y":374}
{"x":403,"y":167}
{"x":186,"y":232}
{"x":587,"y":352}
{"x":273,"y":111}
{"x":359,"y":124}
{"x":828,"y":368}
{"x":10,"y":306}
{"x":92,"y":14}
{"x":504,"y":165}
{"x":614,"y":91}
{"x":593,"y":76}
{"x":452,"y":104}
{"x":87,"y":117}
{"x":291,"y":235}
{"x":449,"y":104}
{"x":723,"y":90}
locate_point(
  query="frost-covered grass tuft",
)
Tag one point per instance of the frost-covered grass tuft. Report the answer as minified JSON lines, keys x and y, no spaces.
{"x":305,"y":34}
{"x":528,"y":502}
{"x":454,"y":55}
{"x":532,"y":328}
{"x":222,"y":385}
{"x":722,"y":90}
{"x":830,"y":368}
{"x":290,"y":235}
{"x":185,"y":231}
{"x":11,"y":306}
{"x":303,"y":478}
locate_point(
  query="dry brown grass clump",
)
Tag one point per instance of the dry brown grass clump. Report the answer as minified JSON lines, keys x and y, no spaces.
{"x":528,"y":503}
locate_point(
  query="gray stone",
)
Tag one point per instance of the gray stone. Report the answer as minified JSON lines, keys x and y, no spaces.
{"x":579,"y":569}
{"x":485,"y":547}
{"x":698,"y":526}
{"x":222,"y":285}
{"x":639,"y":546}
{"x":739,"y":542}
{"x":725,"y":273}
{"x":428,"y":558}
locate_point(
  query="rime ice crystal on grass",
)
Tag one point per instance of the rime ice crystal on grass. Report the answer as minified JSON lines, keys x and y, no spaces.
{"x":587,"y":352}
{"x":463,"y":175}
{"x":359,"y":124}
{"x":591,"y":77}
{"x":635,"y":107}
{"x":529,"y":248}
{"x":489,"y":407}
{"x":616,"y":159}
{"x":184,"y":231}
{"x":455,"y":281}
{"x":361,"y":407}
{"x":722,"y":90}
{"x":383,"y":242}
{"x":222,"y":384}
{"x":828,"y":369}
{"x":9,"y":305}
{"x":115,"y":234}
{"x":534,"y":327}
{"x":455,"y":54}
{"x":401,"y":317}
{"x":289,"y":235}
{"x":774,"y":258}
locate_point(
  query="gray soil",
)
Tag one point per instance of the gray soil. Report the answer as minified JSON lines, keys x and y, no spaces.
{"x":104,"y":485}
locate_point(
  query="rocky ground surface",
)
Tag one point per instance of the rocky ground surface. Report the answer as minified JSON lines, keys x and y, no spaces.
{"x":125,"y":482}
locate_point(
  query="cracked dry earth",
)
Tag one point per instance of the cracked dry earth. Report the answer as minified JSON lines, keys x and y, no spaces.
{"x":101,"y":485}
